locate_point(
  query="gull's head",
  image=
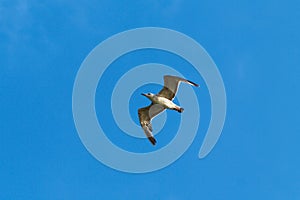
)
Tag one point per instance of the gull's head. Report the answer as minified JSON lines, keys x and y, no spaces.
{"x":148,"y":95}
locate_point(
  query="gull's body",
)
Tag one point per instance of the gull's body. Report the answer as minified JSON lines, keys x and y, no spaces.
{"x":166,"y":103}
{"x":160,"y":102}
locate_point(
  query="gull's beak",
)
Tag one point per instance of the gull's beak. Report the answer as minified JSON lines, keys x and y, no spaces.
{"x":144,"y":94}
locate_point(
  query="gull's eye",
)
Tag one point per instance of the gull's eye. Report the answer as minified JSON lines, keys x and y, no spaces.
{"x":148,"y":93}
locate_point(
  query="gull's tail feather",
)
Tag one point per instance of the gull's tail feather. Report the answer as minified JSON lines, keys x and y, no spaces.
{"x":181,"y":110}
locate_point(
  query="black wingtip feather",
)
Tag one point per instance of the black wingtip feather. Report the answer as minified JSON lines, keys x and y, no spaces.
{"x":152,"y":140}
{"x":194,"y":84}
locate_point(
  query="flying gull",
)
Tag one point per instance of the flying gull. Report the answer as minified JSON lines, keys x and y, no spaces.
{"x":160,"y":102}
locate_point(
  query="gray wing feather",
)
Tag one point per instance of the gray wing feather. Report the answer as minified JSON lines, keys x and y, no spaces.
{"x":171,"y":84}
{"x":145,"y":116}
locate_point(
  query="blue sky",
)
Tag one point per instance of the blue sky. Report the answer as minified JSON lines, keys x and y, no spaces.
{"x":255,"y":45}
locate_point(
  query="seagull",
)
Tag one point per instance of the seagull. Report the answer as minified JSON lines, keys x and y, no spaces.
{"x":160,"y":102}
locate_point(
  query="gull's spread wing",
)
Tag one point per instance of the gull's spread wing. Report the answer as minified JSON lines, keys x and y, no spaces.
{"x":145,"y":116}
{"x":171,"y":85}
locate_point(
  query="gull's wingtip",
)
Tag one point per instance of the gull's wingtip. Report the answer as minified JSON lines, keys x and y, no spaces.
{"x":181,"y":79}
{"x":192,"y":83}
{"x":152,"y":140}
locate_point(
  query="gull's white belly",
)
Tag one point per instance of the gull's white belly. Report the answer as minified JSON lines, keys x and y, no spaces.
{"x":164,"y":102}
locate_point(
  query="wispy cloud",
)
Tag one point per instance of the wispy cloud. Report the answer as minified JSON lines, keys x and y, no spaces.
{"x":14,"y":17}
